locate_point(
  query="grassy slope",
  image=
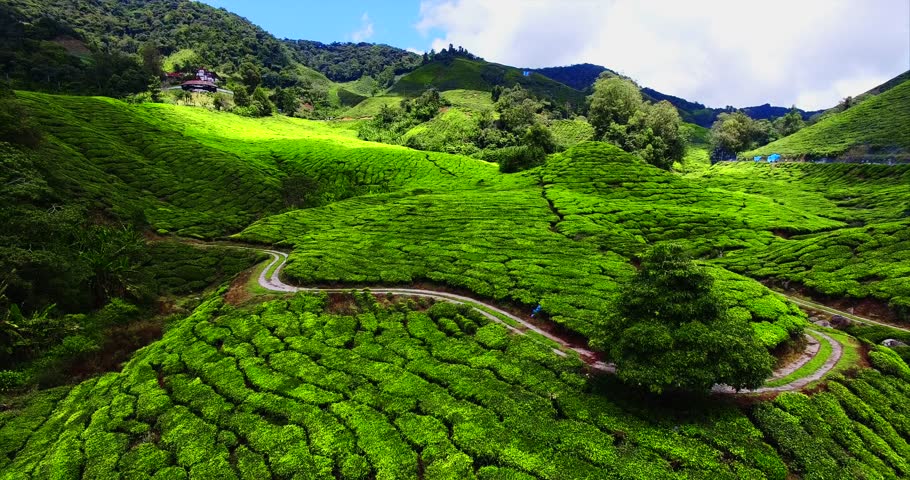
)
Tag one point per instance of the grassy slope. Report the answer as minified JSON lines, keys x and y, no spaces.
{"x":569,"y":133}
{"x":371,"y":106}
{"x":697,"y":157}
{"x":879,"y":123}
{"x":478,"y":75}
{"x":474,"y":100}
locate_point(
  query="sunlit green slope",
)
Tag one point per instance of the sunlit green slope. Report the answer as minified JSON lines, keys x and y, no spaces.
{"x":878,"y":126}
{"x":126,"y":160}
{"x":867,"y":258}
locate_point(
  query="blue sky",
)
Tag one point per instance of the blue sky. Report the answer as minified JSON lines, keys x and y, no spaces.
{"x":389,"y":22}
{"x":808,"y":53}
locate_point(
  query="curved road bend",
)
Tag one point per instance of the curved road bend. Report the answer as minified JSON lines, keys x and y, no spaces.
{"x":273,"y":282}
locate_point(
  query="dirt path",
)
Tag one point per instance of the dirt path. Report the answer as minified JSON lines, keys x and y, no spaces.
{"x":832,"y":311}
{"x":837,"y":350}
{"x":279,"y":259}
{"x":270,"y":279}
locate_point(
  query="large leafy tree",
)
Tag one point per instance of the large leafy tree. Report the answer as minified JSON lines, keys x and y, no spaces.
{"x":655,"y":136}
{"x":790,"y":123}
{"x":614,"y":102}
{"x":619,"y":115}
{"x":736,"y":132}
{"x":670,"y":332}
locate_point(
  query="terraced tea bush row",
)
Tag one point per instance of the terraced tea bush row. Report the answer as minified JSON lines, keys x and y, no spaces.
{"x":859,"y":428}
{"x":286,"y":390}
{"x":872,"y":261}
{"x":569,"y":133}
{"x":124,"y":163}
{"x":496,"y":242}
{"x":851,"y":193}
{"x":614,"y":200}
{"x":868,"y":260}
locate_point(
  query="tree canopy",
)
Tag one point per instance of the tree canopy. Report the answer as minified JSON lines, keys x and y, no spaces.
{"x":670,"y":332}
{"x":620,"y":115}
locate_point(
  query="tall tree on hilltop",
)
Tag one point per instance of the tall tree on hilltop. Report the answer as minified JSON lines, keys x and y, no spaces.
{"x":790,"y":123}
{"x":619,"y":115}
{"x":614,"y":102}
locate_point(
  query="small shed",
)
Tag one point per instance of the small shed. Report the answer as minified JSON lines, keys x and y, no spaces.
{"x":773,"y":158}
{"x":757,"y":158}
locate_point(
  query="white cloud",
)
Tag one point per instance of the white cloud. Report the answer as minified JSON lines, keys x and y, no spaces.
{"x":719,"y":52}
{"x":366,"y":29}
{"x":415,"y":50}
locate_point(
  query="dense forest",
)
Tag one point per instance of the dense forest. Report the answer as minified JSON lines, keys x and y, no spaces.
{"x":579,"y":77}
{"x":221,"y":39}
{"x":345,"y":62}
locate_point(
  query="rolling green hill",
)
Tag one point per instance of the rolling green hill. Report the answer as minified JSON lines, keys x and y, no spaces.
{"x":874,"y":129}
{"x":345,"y":62}
{"x":461,"y":73}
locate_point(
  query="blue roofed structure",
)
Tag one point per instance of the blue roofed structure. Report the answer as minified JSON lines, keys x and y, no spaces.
{"x":773,"y":158}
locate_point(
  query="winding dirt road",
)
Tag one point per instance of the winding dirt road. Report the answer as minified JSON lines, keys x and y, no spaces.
{"x":270,"y":279}
{"x":515,"y":324}
{"x":810,"y":305}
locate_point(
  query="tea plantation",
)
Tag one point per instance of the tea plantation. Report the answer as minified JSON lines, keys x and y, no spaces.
{"x":315,"y":386}
{"x":867,"y":258}
{"x":502,"y":239}
{"x":876,"y":127}
{"x":287,"y":389}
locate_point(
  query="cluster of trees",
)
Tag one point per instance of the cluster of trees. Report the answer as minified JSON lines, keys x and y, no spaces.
{"x":31,"y":58}
{"x":517,"y":138}
{"x":447,"y":54}
{"x":259,"y":93}
{"x":391,"y":122}
{"x":620,"y":115}
{"x":736,"y":132}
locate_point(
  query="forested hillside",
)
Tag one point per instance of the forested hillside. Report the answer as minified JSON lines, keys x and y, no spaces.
{"x":221,"y":39}
{"x":345,"y":62}
{"x":580,"y":77}
{"x":456,"y":72}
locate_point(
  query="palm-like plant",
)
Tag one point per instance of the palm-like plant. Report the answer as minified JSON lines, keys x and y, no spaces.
{"x":9,"y":319}
{"x":112,"y":256}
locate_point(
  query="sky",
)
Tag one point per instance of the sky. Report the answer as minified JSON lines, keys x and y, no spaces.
{"x":808,"y":53}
